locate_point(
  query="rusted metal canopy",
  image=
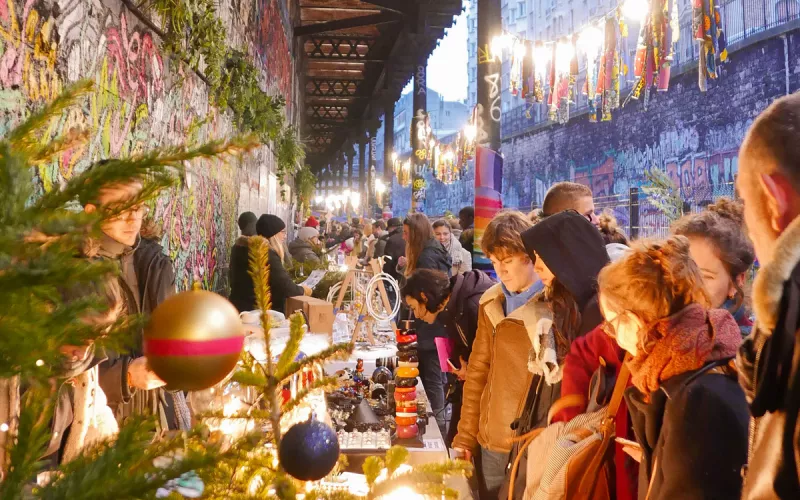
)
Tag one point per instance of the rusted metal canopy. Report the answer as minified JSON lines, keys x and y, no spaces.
{"x":356,"y":56}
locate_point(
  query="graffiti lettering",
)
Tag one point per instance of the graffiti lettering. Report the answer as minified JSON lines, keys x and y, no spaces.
{"x":495,"y":111}
{"x":420,"y":80}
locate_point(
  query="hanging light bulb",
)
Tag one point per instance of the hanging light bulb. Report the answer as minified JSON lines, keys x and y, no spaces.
{"x":590,"y":40}
{"x":355,"y":199}
{"x":470,"y":131}
{"x":541,"y":56}
{"x":636,"y":10}
{"x":519,"y":49}
{"x":564,"y":54}
{"x":499,"y":44}
{"x":394,"y":156}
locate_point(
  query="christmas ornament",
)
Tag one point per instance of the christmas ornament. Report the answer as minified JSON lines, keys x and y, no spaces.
{"x":193,"y":340}
{"x":407,"y":431}
{"x":381,"y":375}
{"x":309,"y":450}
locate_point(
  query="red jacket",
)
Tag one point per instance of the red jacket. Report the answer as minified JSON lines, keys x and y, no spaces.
{"x":580,"y":364}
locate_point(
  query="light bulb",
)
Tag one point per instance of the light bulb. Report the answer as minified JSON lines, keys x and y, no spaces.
{"x":541,"y":56}
{"x":635,"y":9}
{"x":394,"y":156}
{"x":470,"y":131}
{"x":564,"y":54}
{"x":590,"y":40}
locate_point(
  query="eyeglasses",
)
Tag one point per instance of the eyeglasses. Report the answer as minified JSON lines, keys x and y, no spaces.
{"x":118,"y":211}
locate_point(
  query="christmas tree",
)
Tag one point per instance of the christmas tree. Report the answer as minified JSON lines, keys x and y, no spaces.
{"x":42,"y":252}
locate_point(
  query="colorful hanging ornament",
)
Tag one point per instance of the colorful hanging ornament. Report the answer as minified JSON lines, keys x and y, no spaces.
{"x":590,"y":44}
{"x":193,"y":340}
{"x":541,"y":62}
{"x":309,"y":450}
{"x":707,"y":27}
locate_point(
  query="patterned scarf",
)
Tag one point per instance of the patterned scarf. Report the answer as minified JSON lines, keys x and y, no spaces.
{"x":686,"y":341}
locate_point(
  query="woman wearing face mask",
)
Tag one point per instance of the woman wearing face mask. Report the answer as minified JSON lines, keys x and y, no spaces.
{"x":688,"y":412}
{"x":724,"y":254}
{"x":461,"y":258}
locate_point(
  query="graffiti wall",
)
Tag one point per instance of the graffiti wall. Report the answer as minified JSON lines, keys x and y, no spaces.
{"x":693,"y":136}
{"x":142,"y":100}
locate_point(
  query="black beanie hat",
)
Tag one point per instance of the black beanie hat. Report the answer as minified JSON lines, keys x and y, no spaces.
{"x":269,"y":225}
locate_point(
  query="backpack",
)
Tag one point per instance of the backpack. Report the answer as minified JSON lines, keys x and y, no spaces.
{"x":575,"y":458}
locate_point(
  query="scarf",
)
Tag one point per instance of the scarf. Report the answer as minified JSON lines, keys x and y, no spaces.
{"x":543,"y":358}
{"x":516,"y":300}
{"x":685,"y":341}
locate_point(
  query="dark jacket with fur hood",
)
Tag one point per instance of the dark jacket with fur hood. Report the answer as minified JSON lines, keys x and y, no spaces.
{"x":770,"y":375}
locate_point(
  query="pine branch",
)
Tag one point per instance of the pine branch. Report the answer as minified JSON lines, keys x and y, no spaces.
{"x":326,"y":383}
{"x":292,"y":347}
{"x":23,"y":138}
{"x":395,"y":457}
{"x":336,"y":351}
{"x":33,"y":433}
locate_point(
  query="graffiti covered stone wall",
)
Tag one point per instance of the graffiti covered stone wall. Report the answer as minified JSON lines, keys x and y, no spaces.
{"x":142,"y":100}
{"x":694,"y":136}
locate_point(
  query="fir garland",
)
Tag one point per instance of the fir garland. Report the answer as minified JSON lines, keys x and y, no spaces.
{"x":194,"y":33}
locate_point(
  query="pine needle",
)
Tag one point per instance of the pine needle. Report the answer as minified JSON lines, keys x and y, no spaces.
{"x":336,"y":351}
{"x":292,"y":347}
{"x":326,"y":383}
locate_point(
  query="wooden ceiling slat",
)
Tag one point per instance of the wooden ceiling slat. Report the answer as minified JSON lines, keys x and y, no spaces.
{"x":332,"y":14}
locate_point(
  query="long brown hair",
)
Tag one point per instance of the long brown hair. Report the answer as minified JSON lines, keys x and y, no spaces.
{"x":722,"y":224}
{"x":566,"y":316}
{"x":653,"y":281}
{"x":419,"y":233}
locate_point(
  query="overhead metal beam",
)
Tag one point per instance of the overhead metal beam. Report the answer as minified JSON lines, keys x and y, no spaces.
{"x":350,"y":22}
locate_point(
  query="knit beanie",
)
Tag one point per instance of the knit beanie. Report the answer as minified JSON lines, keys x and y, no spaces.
{"x":312,"y":222}
{"x":269,"y":225}
{"x":307,"y":234}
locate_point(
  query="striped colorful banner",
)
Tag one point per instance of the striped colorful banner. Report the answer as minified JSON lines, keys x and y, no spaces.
{"x":488,"y":198}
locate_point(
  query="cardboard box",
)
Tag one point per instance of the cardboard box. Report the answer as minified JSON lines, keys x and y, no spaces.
{"x":318,"y":313}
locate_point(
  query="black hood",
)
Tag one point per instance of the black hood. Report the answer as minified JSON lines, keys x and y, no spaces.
{"x":469,"y":284}
{"x":572,"y":248}
{"x":434,"y":256}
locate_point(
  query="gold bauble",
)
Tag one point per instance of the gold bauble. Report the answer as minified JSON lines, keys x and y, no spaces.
{"x":193,"y":340}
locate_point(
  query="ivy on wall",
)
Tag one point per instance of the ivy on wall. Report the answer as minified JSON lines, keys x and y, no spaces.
{"x":193,"y":33}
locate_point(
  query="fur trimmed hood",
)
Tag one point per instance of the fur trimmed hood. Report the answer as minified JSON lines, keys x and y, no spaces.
{"x":769,"y":282}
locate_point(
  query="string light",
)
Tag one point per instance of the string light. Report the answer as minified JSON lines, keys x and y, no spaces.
{"x":635,"y":9}
{"x":4,"y":427}
{"x":564,"y":54}
{"x":590,"y":40}
{"x":39,"y":363}
{"x":541,"y":57}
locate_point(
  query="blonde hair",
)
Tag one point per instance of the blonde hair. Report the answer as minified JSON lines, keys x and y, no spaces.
{"x":277,"y":246}
{"x":609,"y":228}
{"x":654,"y":280}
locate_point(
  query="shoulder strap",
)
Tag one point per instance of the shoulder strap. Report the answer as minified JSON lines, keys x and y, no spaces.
{"x":619,"y":388}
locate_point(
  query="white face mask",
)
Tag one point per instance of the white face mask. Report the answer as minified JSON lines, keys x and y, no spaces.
{"x":623,"y":327}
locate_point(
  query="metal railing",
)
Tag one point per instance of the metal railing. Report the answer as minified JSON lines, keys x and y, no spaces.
{"x":740,"y":19}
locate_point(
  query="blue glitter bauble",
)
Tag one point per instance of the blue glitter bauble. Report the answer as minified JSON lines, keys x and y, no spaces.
{"x":309,"y":450}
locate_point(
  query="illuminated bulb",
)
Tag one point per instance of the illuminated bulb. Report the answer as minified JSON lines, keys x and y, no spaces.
{"x":519,"y":50}
{"x":541,"y":56}
{"x":470,"y":131}
{"x":403,"y":493}
{"x":355,"y":199}
{"x":346,"y":193}
{"x":4,"y":427}
{"x":39,"y":362}
{"x":432,"y":142}
{"x":564,"y":54}
{"x":499,"y":44}
{"x":635,"y":9}
{"x":590,"y":40}
{"x":394,"y":156}
{"x":380,"y":187}
{"x":319,"y":199}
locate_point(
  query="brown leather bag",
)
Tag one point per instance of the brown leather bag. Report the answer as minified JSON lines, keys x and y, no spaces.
{"x":585,"y":470}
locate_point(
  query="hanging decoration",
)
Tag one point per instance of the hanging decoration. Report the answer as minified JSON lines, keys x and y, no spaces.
{"x":546,"y":71}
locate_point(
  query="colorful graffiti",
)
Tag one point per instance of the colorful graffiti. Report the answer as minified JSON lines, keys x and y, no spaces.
{"x":271,"y":46}
{"x":142,"y":100}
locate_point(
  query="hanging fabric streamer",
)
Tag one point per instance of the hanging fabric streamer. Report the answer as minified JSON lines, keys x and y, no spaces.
{"x":528,"y":77}
{"x":707,"y":28}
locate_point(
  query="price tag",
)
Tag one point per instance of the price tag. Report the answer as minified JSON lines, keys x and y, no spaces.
{"x":433,"y":444}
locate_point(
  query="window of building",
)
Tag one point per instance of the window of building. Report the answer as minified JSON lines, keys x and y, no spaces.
{"x":521,"y":8}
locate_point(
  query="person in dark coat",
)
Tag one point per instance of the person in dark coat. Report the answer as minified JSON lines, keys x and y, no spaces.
{"x":769,"y":371}
{"x":453,"y":303}
{"x":391,"y":246}
{"x":281,"y":285}
{"x":241,"y":289}
{"x":146,"y":279}
{"x":568,"y":253}
{"x":303,"y":247}
{"x":689,"y":414}
{"x":423,"y":251}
